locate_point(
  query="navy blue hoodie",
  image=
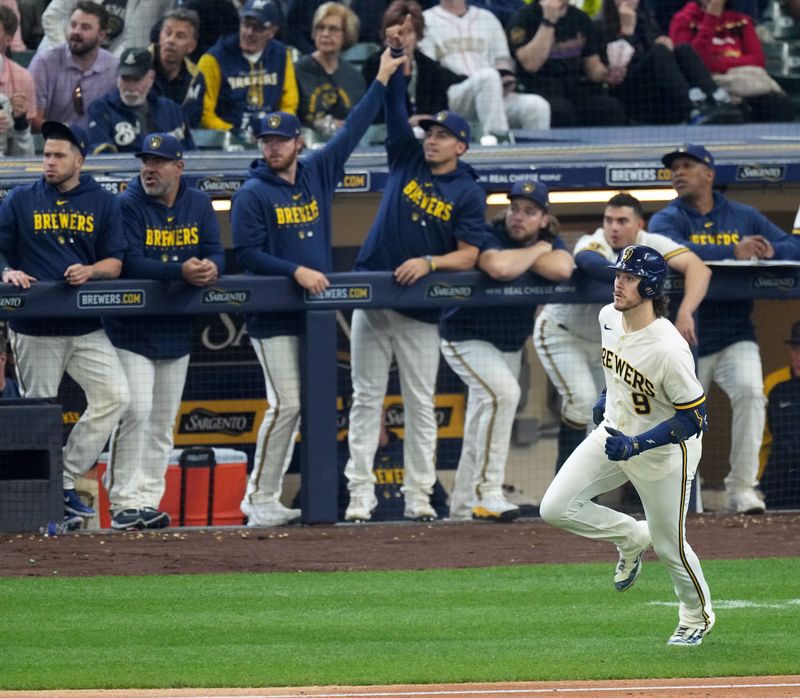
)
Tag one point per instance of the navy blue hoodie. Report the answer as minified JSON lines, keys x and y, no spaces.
{"x":278,"y":226}
{"x":713,"y":237}
{"x":160,"y":239}
{"x":43,"y":231}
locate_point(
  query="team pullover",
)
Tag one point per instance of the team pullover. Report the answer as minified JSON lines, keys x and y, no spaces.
{"x":713,"y":237}
{"x":43,"y":231}
{"x":160,"y":239}
{"x":278,"y":226}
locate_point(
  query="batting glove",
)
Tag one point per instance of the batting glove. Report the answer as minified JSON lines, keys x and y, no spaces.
{"x":619,"y":446}
{"x":599,"y":409}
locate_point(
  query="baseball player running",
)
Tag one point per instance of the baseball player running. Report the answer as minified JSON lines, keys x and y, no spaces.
{"x":172,"y":235}
{"x":566,"y":334}
{"x":651,"y":418}
{"x":484,"y":347}
{"x":66,"y":227}
{"x":431,"y":217}
{"x":716,"y":228}
{"x":281,"y":220}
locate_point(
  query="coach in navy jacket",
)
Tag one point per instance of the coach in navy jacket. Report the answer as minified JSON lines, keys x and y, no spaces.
{"x":716,"y":229}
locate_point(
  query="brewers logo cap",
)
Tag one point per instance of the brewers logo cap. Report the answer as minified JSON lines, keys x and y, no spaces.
{"x":533,"y":191}
{"x":455,"y":123}
{"x":265,"y":12}
{"x":66,"y":132}
{"x":134,"y":63}
{"x":690,"y":150}
{"x":278,"y":123}
{"x":163,"y":145}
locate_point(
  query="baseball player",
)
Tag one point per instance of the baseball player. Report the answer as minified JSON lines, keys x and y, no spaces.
{"x":483,"y":346}
{"x":281,"y":220}
{"x":716,"y":228}
{"x":431,"y":217}
{"x":652,"y":417}
{"x":172,"y":235}
{"x":565,"y":335}
{"x":66,"y":227}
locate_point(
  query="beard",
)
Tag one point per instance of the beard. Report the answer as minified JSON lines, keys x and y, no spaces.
{"x":77,"y":47}
{"x":132,"y":99}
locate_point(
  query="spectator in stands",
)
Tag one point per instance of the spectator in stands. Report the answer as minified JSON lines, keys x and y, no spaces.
{"x":566,"y":336}
{"x":484,"y":346}
{"x":431,"y":217}
{"x":17,"y":95}
{"x":728,"y":45}
{"x":426,"y":80}
{"x":119,"y":120}
{"x":129,"y":23}
{"x":217,"y":18}
{"x":717,"y":228}
{"x":657,"y":82}
{"x":558,"y":50}
{"x":154,"y":351}
{"x":248,"y":74}
{"x":16,"y":43}
{"x":30,"y":19}
{"x":470,"y":41}
{"x":300,"y":15}
{"x":9,"y":389}
{"x":281,"y":221}
{"x":780,"y":449}
{"x":329,"y":86}
{"x":72,"y":75}
{"x":65,"y":227}
{"x":177,"y":76}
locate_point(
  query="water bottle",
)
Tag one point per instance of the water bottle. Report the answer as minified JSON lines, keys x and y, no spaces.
{"x":59,"y":528}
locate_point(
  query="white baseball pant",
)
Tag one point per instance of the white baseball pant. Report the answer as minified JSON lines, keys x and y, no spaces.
{"x":480,"y":97}
{"x":573,"y":365}
{"x":92,"y":362}
{"x":377,"y":336}
{"x":492,"y":379}
{"x":737,"y":371}
{"x":141,"y":444}
{"x":568,"y":504}
{"x":279,"y":359}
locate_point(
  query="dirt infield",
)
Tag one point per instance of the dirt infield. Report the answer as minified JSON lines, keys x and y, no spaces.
{"x":365,"y":547}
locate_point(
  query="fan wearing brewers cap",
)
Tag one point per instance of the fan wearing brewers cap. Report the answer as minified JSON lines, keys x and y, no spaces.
{"x":281,"y":220}
{"x":484,"y":348}
{"x":66,"y":227}
{"x":172,"y":235}
{"x":717,"y":228}
{"x":119,"y":120}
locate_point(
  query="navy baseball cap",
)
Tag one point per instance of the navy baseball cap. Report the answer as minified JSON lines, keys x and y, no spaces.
{"x":455,"y":123}
{"x":66,"y":132}
{"x":533,"y":191}
{"x":163,"y":145}
{"x":278,"y":123}
{"x":265,"y":12}
{"x":690,"y":150}
{"x":794,"y":337}
{"x":134,"y":63}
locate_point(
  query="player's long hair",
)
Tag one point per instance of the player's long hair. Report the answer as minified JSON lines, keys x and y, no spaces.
{"x":661,"y":305}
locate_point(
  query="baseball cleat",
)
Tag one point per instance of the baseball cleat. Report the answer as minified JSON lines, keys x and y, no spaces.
{"x":745,"y":502}
{"x":495,"y":509}
{"x":419,"y":511}
{"x":127,"y":519}
{"x":73,"y":505}
{"x":268,"y":514}
{"x":153,"y":518}
{"x":684,"y":636}
{"x":630,"y":566}
{"x":361,"y":507}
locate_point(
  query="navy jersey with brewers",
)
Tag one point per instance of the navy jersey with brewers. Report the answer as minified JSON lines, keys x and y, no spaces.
{"x":506,"y":328}
{"x":160,"y":239}
{"x":278,"y":226}
{"x":43,"y":231}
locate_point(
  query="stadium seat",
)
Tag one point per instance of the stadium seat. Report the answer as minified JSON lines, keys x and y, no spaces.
{"x":784,"y":26}
{"x":24,"y":58}
{"x":358,"y":53}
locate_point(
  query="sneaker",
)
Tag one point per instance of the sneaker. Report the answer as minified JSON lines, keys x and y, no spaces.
{"x":268,"y":514}
{"x":361,"y":507}
{"x":630,"y":565}
{"x":127,"y":519}
{"x":72,"y":522}
{"x":684,"y":636}
{"x":74,"y":505}
{"x":153,"y":518}
{"x":495,"y":509}
{"x":745,"y":502}
{"x":419,"y":510}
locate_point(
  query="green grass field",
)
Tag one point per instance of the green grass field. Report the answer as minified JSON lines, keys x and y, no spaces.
{"x":539,"y":622}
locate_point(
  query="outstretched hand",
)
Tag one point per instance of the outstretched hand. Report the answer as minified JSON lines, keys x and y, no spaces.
{"x":619,"y":446}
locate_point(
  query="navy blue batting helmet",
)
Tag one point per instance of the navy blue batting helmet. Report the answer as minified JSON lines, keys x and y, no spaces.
{"x":647,"y":263}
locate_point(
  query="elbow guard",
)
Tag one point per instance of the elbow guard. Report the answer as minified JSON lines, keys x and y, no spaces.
{"x":687,"y":423}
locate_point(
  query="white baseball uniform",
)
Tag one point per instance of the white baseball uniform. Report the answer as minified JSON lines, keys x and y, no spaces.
{"x":649,"y":375}
{"x":475,"y":45}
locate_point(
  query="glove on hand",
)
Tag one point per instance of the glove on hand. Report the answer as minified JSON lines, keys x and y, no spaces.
{"x":619,"y":446}
{"x":599,"y":409}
